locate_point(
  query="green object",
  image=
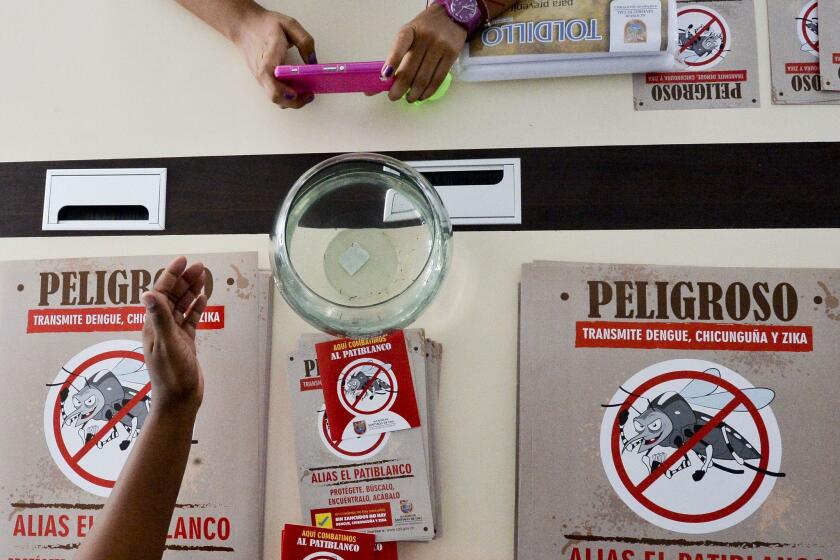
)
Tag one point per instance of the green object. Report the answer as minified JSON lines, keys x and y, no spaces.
{"x":441,"y":91}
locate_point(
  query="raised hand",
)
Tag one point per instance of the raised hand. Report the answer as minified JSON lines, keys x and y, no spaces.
{"x":173,"y":310}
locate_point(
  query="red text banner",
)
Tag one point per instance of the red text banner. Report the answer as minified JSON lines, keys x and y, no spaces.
{"x":696,"y":77}
{"x":106,"y":319}
{"x":802,"y":68}
{"x":310,"y":384}
{"x":694,"y":336}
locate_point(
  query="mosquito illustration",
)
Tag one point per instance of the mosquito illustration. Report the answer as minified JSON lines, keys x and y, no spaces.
{"x":101,"y":396}
{"x":360,"y":385}
{"x":671,"y":419}
{"x":704,"y":45}
{"x":812,"y":24}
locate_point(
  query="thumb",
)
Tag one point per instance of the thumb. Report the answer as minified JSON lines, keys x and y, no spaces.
{"x":158,"y":313}
{"x":402,"y":43}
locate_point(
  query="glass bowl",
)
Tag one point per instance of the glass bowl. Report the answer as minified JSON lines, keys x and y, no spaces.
{"x":361,"y":245}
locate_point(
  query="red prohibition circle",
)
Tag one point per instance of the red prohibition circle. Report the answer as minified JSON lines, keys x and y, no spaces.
{"x":379,"y":369}
{"x":805,"y":17}
{"x":338,"y":448}
{"x":740,"y":398}
{"x":59,"y":439}
{"x":723,"y":37}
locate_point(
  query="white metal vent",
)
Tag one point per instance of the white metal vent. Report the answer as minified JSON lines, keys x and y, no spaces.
{"x":474,"y":191}
{"x":105,"y":199}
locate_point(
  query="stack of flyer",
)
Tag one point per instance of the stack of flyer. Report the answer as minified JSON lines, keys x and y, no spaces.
{"x":77,"y":395}
{"x":364,"y":427}
{"x":552,"y":38}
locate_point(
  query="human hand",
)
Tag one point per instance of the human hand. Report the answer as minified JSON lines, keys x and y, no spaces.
{"x":423,"y":52}
{"x":265,"y":38}
{"x":173,"y":309}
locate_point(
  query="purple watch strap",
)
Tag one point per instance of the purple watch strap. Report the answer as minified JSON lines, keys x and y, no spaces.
{"x":473,"y":23}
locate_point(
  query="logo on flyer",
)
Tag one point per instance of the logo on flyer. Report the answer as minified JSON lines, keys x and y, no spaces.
{"x":635,"y":31}
{"x":406,"y":506}
{"x":360,"y":427}
{"x":691,"y":446}
{"x":352,"y":449}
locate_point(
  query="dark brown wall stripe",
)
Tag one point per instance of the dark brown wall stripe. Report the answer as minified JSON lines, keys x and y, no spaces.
{"x":608,"y":187}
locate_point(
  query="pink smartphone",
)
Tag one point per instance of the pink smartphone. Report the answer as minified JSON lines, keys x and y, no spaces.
{"x":338,"y":77}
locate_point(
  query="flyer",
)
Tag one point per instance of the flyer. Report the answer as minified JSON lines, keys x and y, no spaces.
{"x":316,"y":543}
{"x":717,"y":48}
{"x":669,"y":413}
{"x":380,"y":483}
{"x":73,"y":329}
{"x":829,"y":19}
{"x":367,"y":384}
{"x":795,"y":53}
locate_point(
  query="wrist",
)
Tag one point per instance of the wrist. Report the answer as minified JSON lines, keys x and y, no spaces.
{"x":180,"y":411}
{"x":246,"y":15}
{"x":438,"y":11}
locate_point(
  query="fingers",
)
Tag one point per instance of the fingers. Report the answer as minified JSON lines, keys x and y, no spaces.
{"x":424,"y":75}
{"x":158,"y":314}
{"x":193,"y":314}
{"x":406,"y":73}
{"x":196,"y":285}
{"x":176,"y":286}
{"x":403,"y":42}
{"x":166,"y":282}
{"x":304,"y":42}
{"x":423,"y":53}
{"x":179,"y":285}
{"x":274,"y":54}
{"x":442,"y":70}
{"x":283,"y":94}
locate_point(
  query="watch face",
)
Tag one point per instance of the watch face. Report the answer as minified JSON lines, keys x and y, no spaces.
{"x":464,"y":10}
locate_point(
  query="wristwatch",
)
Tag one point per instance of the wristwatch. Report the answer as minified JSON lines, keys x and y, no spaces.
{"x":469,"y":14}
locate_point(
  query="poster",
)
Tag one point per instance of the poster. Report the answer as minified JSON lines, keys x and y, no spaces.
{"x":829,"y":19}
{"x":77,"y":395}
{"x":717,"y":47}
{"x":795,"y":53}
{"x":682,"y":405}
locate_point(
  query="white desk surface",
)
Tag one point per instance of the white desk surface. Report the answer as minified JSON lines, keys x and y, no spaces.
{"x":475,"y":318}
{"x":106,"y":79}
